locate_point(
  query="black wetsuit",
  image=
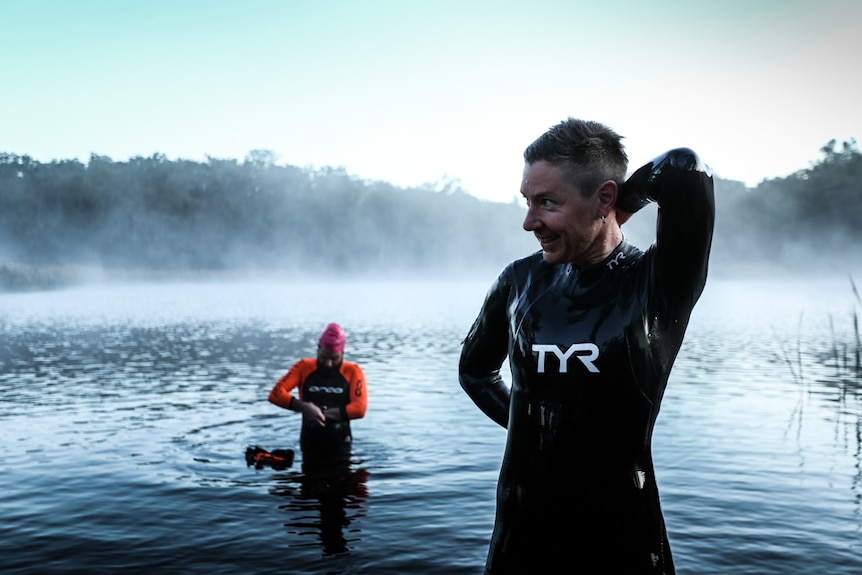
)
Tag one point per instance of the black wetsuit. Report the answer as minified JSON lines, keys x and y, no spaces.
{"x":590,"y":349}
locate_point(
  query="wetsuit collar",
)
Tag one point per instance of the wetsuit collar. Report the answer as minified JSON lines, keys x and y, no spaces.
{"x":610,"y":262}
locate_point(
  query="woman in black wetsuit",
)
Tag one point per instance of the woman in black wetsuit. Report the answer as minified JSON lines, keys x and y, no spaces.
{"x":591,"y":326}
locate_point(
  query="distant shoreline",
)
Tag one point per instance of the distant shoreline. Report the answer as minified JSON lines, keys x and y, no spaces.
{"x":20,"y":278}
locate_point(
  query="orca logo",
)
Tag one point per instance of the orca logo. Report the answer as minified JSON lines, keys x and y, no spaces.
{"x":324,"y":389}
{"x":587,"y":353}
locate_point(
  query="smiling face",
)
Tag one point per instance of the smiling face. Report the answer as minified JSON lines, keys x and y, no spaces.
{"x":567,"y":224}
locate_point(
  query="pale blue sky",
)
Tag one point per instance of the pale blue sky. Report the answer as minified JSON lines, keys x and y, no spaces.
{"x":417,"y":91}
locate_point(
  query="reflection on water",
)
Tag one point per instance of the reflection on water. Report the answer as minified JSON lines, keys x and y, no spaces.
{"x":126,"y":412}
{"x":828,"y":370}
{"x":323,"y":503}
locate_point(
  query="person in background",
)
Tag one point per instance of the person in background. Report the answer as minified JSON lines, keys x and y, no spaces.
{"x":591,"y":326}
{"x":331,"y":392}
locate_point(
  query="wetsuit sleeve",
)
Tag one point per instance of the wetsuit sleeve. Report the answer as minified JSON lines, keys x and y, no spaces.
{"x":358,"y":403}
{"x":682,"y":186}
{"x":280,"y":394}
{"x":484,"y":350}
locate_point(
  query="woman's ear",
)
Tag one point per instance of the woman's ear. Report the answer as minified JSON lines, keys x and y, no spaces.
{"x":607,"y":196}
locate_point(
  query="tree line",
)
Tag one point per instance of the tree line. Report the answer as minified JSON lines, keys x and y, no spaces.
{"x":154,"y":215}
{"x":810,"y":219}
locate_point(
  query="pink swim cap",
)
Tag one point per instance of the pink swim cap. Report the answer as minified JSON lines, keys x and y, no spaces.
{"x":332,"y":339}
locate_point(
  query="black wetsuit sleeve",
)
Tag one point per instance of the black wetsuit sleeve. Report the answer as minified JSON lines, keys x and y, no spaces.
{"x":484,"y":350}
{"x":682,"y":186}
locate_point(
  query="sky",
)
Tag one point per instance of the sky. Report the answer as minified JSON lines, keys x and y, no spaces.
{"x":428,"y":92}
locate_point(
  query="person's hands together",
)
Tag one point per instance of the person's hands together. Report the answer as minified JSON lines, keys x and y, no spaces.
{"x":313,"y":413}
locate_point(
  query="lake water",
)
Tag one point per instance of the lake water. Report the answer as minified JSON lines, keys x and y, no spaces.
{"x":126,"y":411}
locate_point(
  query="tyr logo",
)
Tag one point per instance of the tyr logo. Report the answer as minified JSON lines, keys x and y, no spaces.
{"x":585,"y":352}
{"x":616,"y":260}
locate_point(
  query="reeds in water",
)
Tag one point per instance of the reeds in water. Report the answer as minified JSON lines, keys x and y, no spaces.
{"x":848,"y":355}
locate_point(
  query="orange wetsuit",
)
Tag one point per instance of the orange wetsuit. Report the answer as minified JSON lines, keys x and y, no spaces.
{"x":343,"y":388}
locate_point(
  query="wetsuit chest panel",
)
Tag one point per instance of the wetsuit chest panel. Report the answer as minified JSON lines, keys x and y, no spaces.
{"x":573,"y":384}
{"x":326,"y":389}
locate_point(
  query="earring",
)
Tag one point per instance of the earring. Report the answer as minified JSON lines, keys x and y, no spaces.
{"x":604,"y":220}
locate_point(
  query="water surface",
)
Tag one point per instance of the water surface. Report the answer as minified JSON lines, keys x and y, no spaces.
{"x":126,"y":412}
